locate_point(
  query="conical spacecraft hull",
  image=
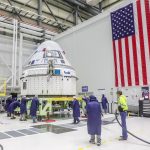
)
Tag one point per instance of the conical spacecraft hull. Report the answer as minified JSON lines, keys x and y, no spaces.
{"x":48,"y":73}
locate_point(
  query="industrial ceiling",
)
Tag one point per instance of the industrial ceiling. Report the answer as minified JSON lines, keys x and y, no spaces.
{"x":54,"y":15}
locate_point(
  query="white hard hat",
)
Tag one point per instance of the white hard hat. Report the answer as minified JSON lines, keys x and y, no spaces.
{"x":74,"y":97}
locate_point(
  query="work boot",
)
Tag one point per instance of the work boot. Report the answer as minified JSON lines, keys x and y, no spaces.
{"x":98,"y":142}
{"x":122,"y":139}
{"x":78,"y":122}
{"x":92,"y":141}
{"x":13,"y":118}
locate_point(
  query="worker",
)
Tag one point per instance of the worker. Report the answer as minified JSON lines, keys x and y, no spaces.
{"x":12,"y":108}
{"x":122,"y":107}
{"x":23,"y":108}
{"x":94,"y":120}
{"x":33,"y":109}
{"x":104,"y":103}
{"x":84,"y":104}
{"x":86,"y":99}
{"x":8,"y":102}
{"x":76,"y":110}
{"x":69,"y":108}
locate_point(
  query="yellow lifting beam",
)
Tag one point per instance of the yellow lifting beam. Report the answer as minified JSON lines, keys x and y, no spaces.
{"x":61,"y":99}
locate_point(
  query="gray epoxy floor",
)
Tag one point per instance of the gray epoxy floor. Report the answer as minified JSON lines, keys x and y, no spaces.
{"x":35,"y":130}
{"x":53,"y":128}
{"x":4,"y":136}
{"x":68,"y":140}
{"x":14,"y":133}
{"x":57,"y":129}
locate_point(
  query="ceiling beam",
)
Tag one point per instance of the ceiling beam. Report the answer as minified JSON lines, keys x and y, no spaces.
{"x":84,"y":6}
{"x":59,"y":25}
{"x":14,"y":10}
{"x":40,"y":4}
{"x":17,"y":2}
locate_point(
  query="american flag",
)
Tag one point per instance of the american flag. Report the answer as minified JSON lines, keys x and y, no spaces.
{"x":131,"y":44}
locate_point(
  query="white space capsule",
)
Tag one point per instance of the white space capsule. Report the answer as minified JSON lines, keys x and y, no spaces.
{"x":48,"y":73}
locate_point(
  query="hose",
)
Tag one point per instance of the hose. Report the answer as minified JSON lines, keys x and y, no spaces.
{"x":1,"y":147}
{"x":116,"y":116}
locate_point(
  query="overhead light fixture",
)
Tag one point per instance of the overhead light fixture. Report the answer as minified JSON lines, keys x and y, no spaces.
{"x":2,"y":18}
{"x":93,"y":2}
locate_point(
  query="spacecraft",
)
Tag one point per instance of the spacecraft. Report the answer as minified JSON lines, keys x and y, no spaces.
{"x":48,"y":73}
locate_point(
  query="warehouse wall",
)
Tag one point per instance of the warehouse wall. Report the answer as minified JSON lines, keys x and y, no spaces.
{"x":6,"y":45}
{"x":89,"y":49}
{"x":90,"y":52}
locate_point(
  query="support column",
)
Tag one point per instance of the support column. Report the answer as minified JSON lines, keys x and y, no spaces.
{"x":40,"y":3}
{"x":100,"y":7}
{"x":76,"y":16}
{"x":15,"y":54}
{"x":13,"y":49}
{"x":20,"y":57}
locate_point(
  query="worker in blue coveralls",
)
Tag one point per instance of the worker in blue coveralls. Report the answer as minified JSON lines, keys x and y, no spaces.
{"x":104,"y":103}
{"x":76,"y":110}
{"x":34,"y":108}
{"x":8,"y":102}
{"x":94,"y":120}
{"x":23,"y":108}
{"x":86,"y":101}
{"x":12,"y":108}
{"x":123,"y":108}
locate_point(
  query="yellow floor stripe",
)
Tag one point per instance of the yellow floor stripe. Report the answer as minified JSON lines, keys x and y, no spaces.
{"x":81,"y":149}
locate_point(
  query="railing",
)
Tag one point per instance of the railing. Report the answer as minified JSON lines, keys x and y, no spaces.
{"x":144,"y":108}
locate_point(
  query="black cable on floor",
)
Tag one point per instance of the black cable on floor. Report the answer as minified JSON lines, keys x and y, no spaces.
{"x":1,"y":147}
{"x":116,"y":116}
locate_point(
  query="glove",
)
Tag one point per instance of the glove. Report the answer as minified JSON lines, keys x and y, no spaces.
{"x":120,"y":109}
{"x":116,"y":113}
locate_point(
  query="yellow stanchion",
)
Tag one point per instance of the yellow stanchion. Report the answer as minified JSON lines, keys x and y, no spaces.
{"x":3,"y":86}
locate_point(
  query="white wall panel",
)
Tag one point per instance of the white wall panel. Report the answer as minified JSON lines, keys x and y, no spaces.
{"x":6,"y":45}
{"x":91,"y":55}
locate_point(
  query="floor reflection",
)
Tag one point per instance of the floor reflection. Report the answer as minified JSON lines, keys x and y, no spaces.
{"x":53,"y":128}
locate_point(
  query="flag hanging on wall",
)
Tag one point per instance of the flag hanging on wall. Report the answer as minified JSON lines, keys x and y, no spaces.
{"x":131,"y":44}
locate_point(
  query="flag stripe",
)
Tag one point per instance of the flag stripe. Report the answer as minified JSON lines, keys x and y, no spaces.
{"x":137,"y":38}
{"x":131,"y":59}
{"x":142,"y":48}
{"x":147,"y":9}
{"x":124,"y":61}
{"x":115,"y":62}
{"x":118,"y":64}
{"x":135,"y":60}
{"x":128,"y":62}
{"x":121,"y":63}
{"x":146,"y":39}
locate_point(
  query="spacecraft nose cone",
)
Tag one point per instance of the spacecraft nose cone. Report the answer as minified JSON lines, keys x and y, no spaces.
{"x":49,"y":45}
{"x":48,"y":50}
